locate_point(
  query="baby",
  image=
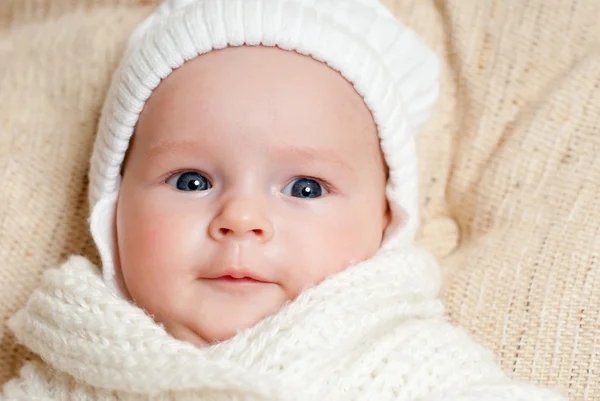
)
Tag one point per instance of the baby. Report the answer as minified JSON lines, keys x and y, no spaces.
{"x":254,"y":201}
{"x":253,"y":173}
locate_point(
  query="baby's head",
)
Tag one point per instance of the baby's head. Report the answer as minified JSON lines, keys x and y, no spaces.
{"x":242,"y":186}
{"x":224,"y":185}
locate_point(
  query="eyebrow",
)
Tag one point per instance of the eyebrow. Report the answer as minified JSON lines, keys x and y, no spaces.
{"x":283,"y":153}
{"x":311,"y":154}
{"x":166,"y":146}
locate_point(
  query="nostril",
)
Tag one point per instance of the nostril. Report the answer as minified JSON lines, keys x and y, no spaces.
{"x":226,"y":231}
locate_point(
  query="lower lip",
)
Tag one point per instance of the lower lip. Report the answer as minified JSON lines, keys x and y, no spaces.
{"x":233,"y":280}
{"x":231,"y":283}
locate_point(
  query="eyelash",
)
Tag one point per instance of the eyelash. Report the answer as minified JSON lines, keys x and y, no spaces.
{"x":330,"y":188}
{"x":185,"y":170}
{"x":327,"y":185}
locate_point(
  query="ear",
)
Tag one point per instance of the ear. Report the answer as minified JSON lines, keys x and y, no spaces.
{"x":119,"y":279}
{"x":387,"y":215}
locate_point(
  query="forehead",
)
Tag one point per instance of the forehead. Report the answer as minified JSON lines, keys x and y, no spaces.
{"x":260,"y":94}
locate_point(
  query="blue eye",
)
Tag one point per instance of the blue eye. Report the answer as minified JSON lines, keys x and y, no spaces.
{"x":189,"y":181}
{"x":305,"y":188}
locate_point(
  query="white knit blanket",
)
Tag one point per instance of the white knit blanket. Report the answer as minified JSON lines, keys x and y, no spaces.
{"x":373,"y":332}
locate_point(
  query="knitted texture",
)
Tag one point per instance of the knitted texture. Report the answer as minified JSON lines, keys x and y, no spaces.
{"x":390,"y":67}
{"x":373,"y":332}
{"x":509,"y":181}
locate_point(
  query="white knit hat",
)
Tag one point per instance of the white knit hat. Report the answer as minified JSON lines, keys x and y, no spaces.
{"x":388,"y":64}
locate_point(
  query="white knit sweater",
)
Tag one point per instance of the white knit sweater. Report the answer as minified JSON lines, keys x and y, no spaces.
{"x":373,"y":332}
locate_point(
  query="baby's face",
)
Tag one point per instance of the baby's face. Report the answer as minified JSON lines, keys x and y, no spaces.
{"x":253,"y":173}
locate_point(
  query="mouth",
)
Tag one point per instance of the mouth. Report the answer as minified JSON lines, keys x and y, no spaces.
{"x":236,"y":286}
{"x":229,"y":274}
{"x":237,"y":280}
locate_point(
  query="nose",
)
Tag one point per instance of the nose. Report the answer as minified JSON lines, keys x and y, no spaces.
{"x":240,"y":218}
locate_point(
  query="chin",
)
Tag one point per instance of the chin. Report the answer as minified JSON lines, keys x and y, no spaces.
{"x":226,"y":324}
{"x":216,"y":334}
{"x":202,"y":336}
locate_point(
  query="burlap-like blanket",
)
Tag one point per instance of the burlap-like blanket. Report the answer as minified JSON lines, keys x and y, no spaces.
{"x":510,"y":165}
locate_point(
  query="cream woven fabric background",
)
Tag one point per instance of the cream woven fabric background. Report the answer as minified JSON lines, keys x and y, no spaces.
{"x":510,"y":165}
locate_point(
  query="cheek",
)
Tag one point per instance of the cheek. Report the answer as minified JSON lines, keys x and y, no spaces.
{"x":156,"y":250}
{"x":327,"y":244}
